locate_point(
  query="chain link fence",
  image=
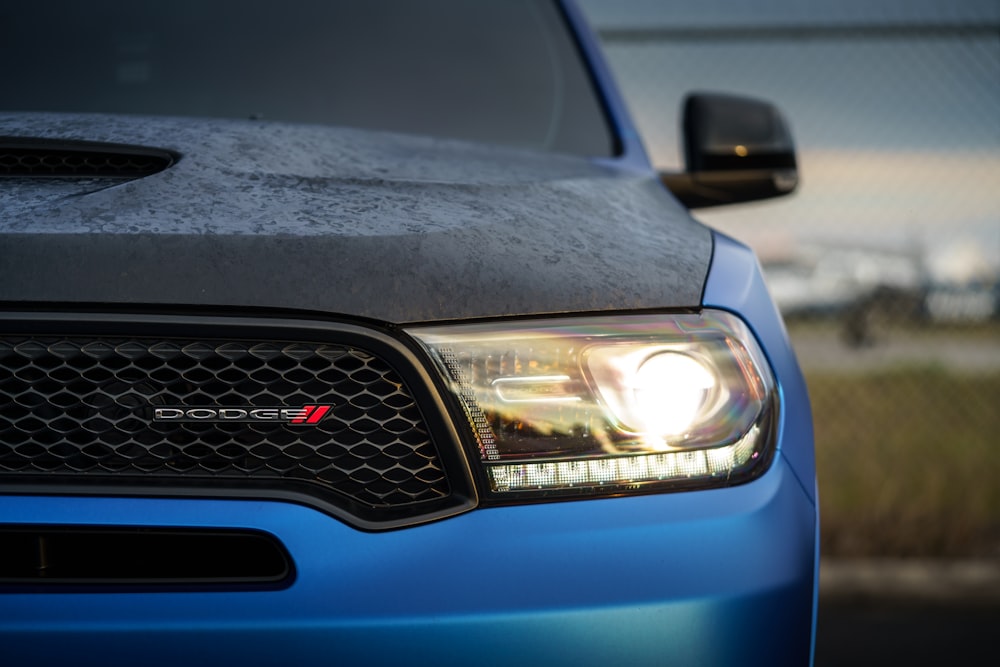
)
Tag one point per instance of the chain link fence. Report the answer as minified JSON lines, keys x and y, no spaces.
{"x":886,"y":262}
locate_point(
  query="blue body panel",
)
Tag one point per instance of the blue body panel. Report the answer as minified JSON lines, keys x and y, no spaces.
{"x":689,"y":578}
{"x":736,"y":283}
{"x":633,"y":153}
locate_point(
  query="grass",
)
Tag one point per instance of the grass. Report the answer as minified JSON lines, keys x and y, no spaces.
{"x":908,"y":461}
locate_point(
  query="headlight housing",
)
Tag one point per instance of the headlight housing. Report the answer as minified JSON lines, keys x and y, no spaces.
{"x":610,"y":405}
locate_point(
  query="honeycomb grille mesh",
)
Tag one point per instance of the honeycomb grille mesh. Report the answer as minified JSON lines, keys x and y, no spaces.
{"x":77,"y":407}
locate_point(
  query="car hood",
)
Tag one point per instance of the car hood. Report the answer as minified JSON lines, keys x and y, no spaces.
{"x":343,"y":221}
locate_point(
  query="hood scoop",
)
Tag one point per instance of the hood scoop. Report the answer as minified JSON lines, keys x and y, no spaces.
{"x":36,"y":157}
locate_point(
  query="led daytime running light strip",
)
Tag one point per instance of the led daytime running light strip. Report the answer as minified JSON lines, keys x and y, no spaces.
{"x":626,"y":470}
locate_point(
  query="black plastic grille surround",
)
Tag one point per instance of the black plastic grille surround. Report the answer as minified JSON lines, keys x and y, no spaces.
{"x":83,"y":408}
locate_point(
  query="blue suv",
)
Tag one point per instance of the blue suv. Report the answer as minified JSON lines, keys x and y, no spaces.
{"x":365,"y":333}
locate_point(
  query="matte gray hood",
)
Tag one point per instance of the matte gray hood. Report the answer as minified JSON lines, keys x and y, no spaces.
{"x":392,"y":227}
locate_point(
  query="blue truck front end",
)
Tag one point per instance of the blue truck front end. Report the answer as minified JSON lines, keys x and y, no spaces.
{"x":685,"y":568}
{"x":713,"y":577}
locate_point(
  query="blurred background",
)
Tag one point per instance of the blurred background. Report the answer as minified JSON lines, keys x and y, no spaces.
{"x":886,"y":261}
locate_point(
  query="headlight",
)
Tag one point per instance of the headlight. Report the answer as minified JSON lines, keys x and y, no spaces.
{"x":610,"y":404}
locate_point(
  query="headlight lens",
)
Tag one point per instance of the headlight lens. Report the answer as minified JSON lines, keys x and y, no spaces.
{"x":610,"y":404}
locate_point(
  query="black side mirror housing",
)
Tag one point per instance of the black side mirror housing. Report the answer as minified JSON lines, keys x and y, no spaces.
{"x":736,"y":149}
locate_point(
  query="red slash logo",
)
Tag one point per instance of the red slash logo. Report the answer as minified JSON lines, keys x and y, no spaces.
{"x":312,"y":414}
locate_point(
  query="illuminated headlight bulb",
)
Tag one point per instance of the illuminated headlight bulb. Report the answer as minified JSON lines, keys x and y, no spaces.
{"x":669,"y":391}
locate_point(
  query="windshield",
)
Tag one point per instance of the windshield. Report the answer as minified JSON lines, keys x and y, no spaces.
{"x":502,"y":71}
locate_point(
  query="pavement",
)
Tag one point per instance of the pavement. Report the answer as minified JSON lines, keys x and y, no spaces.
{"x":908,"y":612}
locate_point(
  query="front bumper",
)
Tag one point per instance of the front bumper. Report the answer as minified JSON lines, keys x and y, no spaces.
{"x":724,"y":576}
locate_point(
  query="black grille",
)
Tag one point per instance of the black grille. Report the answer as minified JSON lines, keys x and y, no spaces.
{"x":27,"y":157}
{"x":84,"y":407}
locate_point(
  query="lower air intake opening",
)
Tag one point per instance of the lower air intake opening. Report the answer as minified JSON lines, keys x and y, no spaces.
{"x":41,"y":555}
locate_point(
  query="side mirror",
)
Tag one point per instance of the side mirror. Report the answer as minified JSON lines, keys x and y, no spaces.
{"x":736,"y":149}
